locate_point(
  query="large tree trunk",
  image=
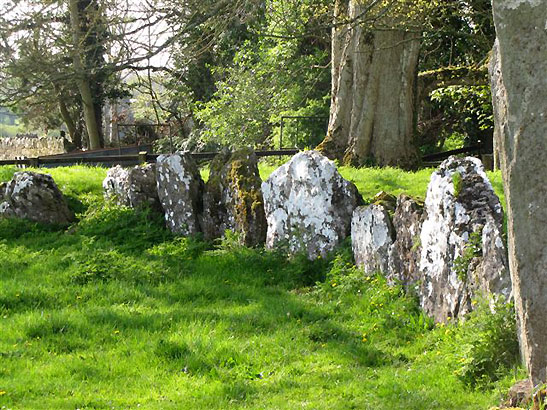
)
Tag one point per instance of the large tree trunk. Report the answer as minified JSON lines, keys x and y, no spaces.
{"x":372,"y":112}
{"x":520,"y":98}
{"x":82,"y":79}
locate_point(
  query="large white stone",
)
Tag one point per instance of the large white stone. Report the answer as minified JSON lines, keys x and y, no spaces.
{"x":460,"y":201}
{"x":308,"y":205}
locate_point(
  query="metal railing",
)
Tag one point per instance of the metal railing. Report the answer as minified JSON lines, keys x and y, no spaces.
{"x":132,"y":159}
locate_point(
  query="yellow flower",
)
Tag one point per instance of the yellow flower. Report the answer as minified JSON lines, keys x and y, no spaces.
{"x":334,"y":285}
{"x":2,"y":392}
{"x":116,"y":332}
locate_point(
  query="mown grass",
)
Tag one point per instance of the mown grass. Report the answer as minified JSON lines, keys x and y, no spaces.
{"x":115,"y":312}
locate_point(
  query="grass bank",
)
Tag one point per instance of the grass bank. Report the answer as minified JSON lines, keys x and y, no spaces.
{"x":115,"y":312}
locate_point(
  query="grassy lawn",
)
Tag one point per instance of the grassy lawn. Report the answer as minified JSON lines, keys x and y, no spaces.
{"x":115,"y":312}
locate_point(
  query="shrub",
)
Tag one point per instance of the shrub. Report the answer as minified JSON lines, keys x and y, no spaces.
{"x":487,"y":344}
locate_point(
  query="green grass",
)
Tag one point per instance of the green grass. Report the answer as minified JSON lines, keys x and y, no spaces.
{"x":115,"y":312}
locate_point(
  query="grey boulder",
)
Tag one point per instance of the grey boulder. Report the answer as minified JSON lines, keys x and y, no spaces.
{"x":180,"y":190}
{"x":133,"y":187}
{"x":35,"y":197}
{"x":404,"y":255}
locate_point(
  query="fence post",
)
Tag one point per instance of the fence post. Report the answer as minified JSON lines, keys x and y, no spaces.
{"x":281,"y":134}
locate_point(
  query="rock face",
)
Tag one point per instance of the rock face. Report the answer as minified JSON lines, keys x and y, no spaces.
{"x":233,"y":198}
{"x":308,"y":205}
{"x":520,"y":27}
{"x":35,"y":197}
{"x":372,"y":237}
{"x":180,"y":189}
{"x":462,"y":249}
{"x":135,"y":187}
{"x":404,"y":255}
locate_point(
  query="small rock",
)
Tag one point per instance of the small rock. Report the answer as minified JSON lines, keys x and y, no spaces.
{"x":388,"y":201}
{"x":308,"y":205}
{"x":35,"y":197}
{"x":180,"y":189}
{"x":520,"y":394}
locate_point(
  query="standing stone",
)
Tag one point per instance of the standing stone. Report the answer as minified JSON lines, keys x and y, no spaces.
{"x":404,"y":255}
{"x":35,"y":197}
{"x":372,"y":236}
{"x":522,"y":38}
{"x":134,"y":187}
{"x":180,"y":190}
{"x":462,"y":250}
{"x":308,"y":205}
{"x":233,"y":198}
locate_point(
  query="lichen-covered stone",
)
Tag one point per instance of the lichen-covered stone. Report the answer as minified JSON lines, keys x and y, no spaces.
{"x":404,"y":255}
{"x":308,"y":205}
{"x":133,"y":187}
{"x":180,"y":190}
{"x":233,"y":198}
{"x":372,"y":236}
{"x":35,"y":197}
{"x":462,"y":250}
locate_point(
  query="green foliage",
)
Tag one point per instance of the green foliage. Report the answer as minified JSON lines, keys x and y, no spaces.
{"x":472,"y":249}
{"x":467,"y":110}
{"x":487,"y":344}
{"x":274,"y":76}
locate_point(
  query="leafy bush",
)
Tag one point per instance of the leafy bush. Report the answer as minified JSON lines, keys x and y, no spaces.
{"x":487,"y":344}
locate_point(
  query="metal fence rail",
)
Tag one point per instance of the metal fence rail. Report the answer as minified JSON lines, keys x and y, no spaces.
{"x":132,"y":159}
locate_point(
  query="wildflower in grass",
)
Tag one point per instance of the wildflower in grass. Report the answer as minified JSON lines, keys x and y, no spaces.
{"x":2,"y":392}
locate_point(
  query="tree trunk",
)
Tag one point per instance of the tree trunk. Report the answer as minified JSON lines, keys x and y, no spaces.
{"x":82,"y":79}
{"x":520,"y":99}
{"x":373,"y":101}
{"x":75,"y":137}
